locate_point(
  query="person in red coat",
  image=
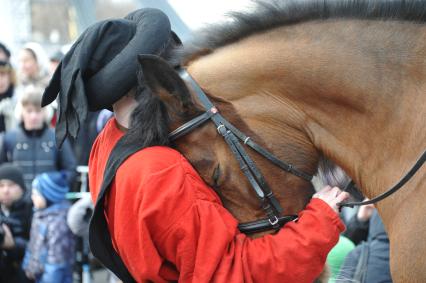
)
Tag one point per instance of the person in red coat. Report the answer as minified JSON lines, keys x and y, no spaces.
{"x":168,"y":225}
{"x":155,"y":219}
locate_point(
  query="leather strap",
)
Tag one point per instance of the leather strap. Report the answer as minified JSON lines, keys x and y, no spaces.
{"x":264,"y":224}
{"x":392,"y":190}
{"x":99,"y":236}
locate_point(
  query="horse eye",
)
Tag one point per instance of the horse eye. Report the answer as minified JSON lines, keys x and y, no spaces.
{"x":216,"y":176}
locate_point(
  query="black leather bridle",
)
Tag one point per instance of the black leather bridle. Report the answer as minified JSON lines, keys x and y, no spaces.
{"x":389,"y":192}
{"x":233,"y":138}
{"x":269,"y":203}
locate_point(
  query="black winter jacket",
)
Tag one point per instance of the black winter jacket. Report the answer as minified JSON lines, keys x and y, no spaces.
{"x":19,"y":222}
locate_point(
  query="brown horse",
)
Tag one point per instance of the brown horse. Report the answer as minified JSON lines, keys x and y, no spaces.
{"x":344,"y":80}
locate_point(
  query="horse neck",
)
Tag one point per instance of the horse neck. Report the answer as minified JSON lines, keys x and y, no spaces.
{"x":367,"y":109}
{"x":355,"y":89}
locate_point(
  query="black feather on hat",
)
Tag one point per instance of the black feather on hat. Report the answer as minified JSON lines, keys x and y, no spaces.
{"x":101,"y":66}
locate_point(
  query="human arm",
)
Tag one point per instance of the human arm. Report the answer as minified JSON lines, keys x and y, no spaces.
{"x":297,"y":253}
{"x":179,"y":221}
{"x":18,"y":228}
{"x":79,"y":215}
{"x":14,"y":246}
{"x":8,"y":240}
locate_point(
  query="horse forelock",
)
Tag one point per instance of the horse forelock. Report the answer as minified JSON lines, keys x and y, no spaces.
{"x":330,"y":174}
{"x":266,"y":15}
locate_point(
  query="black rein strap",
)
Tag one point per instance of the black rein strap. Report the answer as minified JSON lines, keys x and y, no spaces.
{"x":232,"y":136}
{"x":392,"y":190}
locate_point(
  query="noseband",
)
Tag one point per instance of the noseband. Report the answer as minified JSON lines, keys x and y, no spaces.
{"x":233,"y":136}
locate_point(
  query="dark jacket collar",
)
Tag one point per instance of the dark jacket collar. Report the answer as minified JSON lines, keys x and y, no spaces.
{"x":33,"y":133}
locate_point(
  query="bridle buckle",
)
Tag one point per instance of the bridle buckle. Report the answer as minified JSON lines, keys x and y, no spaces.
{"x":274,"y":221}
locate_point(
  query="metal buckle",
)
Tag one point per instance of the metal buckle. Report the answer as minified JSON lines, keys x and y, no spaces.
{"x":274,"y":222}
{"x":246,"y":140}
{"x":219,"y":127}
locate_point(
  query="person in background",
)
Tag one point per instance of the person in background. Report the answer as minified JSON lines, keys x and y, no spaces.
{"x":54,"y":61}
{"x":4,"y":53}
{"x":33,"y":67}
{"x":78,"y":220}
{"x":31,"y":145}
{"x":49,"y":256}
{"x":15,"y":221}
{"x":7,"y":98}
{"x":336,"y":257}
{"x":369,"y":261}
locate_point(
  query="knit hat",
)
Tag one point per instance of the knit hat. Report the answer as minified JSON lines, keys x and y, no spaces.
{"x":53,"y":186}
{"x":11,"y":172}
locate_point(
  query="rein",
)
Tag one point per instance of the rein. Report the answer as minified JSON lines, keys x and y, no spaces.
{"x":233,"y":136}
{"x":389,"y":192}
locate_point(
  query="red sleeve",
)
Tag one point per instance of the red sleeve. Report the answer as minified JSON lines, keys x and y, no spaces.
{"x":173,"y":227}
{"x":206,"y":246}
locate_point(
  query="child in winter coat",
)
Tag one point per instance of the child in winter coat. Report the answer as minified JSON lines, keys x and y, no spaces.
{"x":50,"y":253}
{"x":16,"y":211}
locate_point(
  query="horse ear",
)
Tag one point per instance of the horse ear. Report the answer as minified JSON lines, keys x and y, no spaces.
{"x":162,"y":79}
{"x":158,"y":74}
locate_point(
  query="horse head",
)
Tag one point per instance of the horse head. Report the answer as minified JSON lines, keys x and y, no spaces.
{"x":207,"y":151}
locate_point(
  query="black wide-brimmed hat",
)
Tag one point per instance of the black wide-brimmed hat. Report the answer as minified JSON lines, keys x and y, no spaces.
{"x":101,"y":66}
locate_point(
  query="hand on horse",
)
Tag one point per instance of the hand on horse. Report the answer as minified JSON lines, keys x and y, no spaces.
{"x":365,"y":211}
{"x":332,"y":196}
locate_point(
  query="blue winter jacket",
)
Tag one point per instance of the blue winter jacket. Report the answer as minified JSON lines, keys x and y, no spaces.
{"x":50,"y":252}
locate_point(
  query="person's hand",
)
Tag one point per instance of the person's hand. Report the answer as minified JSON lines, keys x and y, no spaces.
{"x":29,"y":275}
{"x":365,"y":212}
{"x":332,"y":196}
{"x":8,"y":241}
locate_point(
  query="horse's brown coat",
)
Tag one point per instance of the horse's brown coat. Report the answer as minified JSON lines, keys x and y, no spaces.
{"x":353,"y":90}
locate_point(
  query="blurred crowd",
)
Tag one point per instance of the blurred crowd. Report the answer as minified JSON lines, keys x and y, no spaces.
{"x":36,"y":243}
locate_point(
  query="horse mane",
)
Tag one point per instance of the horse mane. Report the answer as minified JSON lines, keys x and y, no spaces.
{"x":150,"y":121}
{"x":267,"y":15}
{"x":330,"y":174}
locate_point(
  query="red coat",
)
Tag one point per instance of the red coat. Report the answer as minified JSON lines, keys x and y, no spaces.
{"x":167,"y":224}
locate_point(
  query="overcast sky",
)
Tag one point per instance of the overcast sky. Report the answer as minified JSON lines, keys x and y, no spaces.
{"x":195,"y":13}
